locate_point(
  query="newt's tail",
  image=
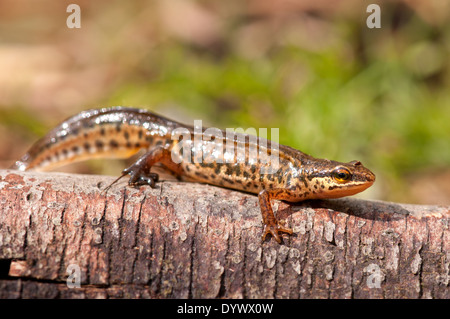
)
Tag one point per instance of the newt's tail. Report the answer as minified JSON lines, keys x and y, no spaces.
{"x":116,"y":132}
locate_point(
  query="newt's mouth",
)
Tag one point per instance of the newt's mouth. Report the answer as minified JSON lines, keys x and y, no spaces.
{"x":348,"y":190}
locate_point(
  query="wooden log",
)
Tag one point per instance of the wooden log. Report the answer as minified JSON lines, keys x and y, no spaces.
{"x":189,"y":240}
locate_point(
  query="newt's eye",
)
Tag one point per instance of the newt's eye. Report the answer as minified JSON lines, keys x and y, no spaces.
{"x":341,"y":175}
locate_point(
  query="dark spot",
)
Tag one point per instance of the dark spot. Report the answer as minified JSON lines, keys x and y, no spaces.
{"x":302,"y":178}
{"x":218,"y":167}
{"x":118,"y":128}
{"x":137,"y":145}
{"x":87,"y":146}
{"x":140,"y":134}
{"x":188,"y":169}
{"x":229,"y":181}
{"x":205,"y":164}
{"x":64,"y":151}
{"x":128,"y":144}
{"x":75,"y":131}
{"x":88,"y":124}
{"x":280,"y":178}
{"x":253,"y":169}
{"x":75,"y":149}
{"x":159,"y":143}
{"x":211,"y":165}
{"x":99,"y":144}
{"x":113,"y":144}
{"x":149,"y":139}
{"x":213,"y":176}
{"x":102,"y":131}
{"x":246,"y":174}
{"x":201,"y":175}
{"x":126,"y":135}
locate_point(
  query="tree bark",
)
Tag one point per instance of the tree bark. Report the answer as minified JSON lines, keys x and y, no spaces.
{"x":189,"y":240}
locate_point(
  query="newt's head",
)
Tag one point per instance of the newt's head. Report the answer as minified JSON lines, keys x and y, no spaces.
{"x":331,"y":179}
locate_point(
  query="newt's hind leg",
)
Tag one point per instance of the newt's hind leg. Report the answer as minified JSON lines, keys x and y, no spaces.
{"x":140,"y":170}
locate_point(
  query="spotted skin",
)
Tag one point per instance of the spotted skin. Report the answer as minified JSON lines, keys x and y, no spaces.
{"x":235,"y":161}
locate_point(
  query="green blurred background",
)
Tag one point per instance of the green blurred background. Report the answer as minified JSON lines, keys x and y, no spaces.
{"x":335,"y":88}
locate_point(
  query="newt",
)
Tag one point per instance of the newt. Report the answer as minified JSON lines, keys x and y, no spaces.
{"x":121,"y":132}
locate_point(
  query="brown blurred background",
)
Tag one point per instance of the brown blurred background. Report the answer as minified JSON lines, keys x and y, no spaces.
{"x":334,"y":88}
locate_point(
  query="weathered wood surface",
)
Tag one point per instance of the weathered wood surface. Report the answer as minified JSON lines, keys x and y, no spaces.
{"x":186,"y":240}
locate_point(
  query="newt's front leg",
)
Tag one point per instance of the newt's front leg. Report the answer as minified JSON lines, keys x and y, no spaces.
{"x":271,"y":224}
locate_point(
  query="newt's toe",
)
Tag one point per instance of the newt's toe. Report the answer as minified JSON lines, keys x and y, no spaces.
{"x":274,"y":230}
